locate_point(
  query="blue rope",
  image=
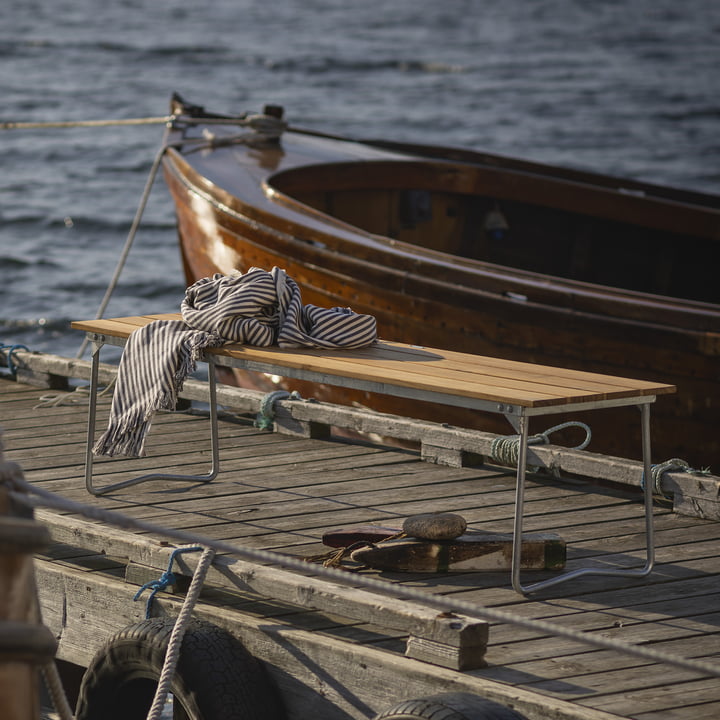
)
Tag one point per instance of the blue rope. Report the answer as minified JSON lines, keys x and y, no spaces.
{"x":164,"y":581}
{"x":10,"y":350}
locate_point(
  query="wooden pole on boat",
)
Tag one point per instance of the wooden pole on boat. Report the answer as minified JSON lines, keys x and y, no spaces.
{"x":25,"y":644}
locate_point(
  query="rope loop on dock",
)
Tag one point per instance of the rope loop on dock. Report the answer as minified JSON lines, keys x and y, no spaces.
{"x":505,"y":449}
{"x":266,"y":415}
{"x":165,"y":580}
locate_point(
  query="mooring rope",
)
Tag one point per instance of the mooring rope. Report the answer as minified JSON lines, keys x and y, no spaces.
{"x":23,"y":491}
{"x":165,"y":580}
{"x":256,"y":121}
{"x":51,"y":676}
{"x":263,"y":126}
{"x":672,"y":465}
{"x":172,"y":654}
{"x":85,"y":123}
{"x":506,"y":448}
{"x":130,"y":238}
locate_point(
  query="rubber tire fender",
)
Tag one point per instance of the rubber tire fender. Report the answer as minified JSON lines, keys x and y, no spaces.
{"x":450,"y":706}
{"x":216,"y":677}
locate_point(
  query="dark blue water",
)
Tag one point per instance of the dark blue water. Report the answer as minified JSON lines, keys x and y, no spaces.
{"x":629,"y":88}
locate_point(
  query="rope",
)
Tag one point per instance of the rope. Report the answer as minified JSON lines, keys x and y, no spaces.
{"x":266,"y":414}
{"x":130,"y":238}
{"x":259,"y":122}
{"x":164,"y":581}
{"x":506,"y":448}
{"x":172,"y":654}
{"x":84,"y":123}
{"x":334,"y":558}
{"x":79,"y":396}
{"x":264,"y":127}
{"x":48,"y":499}
{"x":9,"y":359}
{"x":51,"y":676}
{"x":672,"y":465}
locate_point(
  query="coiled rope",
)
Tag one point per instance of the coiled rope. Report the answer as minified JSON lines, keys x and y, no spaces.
{"x":34,"y":496}
{"x":506,"y":448}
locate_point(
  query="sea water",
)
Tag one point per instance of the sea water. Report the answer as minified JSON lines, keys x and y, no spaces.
{"x":626,"y":87}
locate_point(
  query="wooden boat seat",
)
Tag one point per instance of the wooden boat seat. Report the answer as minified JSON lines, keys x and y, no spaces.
{"x":487,"y":384}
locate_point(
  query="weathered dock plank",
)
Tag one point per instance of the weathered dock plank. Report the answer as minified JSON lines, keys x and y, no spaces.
{"x":281,"y":493}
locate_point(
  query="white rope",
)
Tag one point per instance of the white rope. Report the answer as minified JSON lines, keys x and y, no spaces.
{"x":443,"y":603}
{"x":79,"y":396}
{"x":51,"y":676}
{"x":259,"y":122}
{"x":264,"y":128}
{"x":57,"y":691}
{"x":130,"y":238}
{"x":50,"y":673}
{"x":85,"y":123}
{"x":172,"y":654}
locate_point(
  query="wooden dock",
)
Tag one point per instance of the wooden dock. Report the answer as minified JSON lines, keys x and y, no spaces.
{"x":281,"y":492}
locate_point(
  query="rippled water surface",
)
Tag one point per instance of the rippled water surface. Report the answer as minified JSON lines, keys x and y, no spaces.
{"x":628,"y":88}
{"x":625,"y":87}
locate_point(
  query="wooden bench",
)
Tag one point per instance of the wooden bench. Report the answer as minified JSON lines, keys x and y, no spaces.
{"x":517,"y":390}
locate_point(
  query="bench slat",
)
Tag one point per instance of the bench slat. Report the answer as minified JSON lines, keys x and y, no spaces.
{"x":426,"y":369}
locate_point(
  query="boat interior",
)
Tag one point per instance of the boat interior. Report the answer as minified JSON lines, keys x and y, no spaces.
{"x":556,"y":227}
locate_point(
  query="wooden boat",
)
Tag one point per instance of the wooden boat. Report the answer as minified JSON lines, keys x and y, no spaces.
{"x":469,"y":251}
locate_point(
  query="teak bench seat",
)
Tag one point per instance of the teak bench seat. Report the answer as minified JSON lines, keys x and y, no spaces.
{"x":515,"y":389}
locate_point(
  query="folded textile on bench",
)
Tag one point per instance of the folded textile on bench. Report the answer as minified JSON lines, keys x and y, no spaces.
{"x":256,"y":308}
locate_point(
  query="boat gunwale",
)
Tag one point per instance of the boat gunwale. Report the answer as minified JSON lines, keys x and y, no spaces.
{"x":636,"y":306}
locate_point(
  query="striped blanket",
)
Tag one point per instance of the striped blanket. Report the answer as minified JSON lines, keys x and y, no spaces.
{"x":256,"y":308}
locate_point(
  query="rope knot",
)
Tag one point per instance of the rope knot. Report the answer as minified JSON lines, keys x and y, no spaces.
{"x":167,"y":579}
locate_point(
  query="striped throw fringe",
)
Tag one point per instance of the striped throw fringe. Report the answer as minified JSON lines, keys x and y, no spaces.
{"x":256,"y":308}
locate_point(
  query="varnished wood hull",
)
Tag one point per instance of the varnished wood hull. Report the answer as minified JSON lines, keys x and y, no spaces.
{"x":264,"y":204}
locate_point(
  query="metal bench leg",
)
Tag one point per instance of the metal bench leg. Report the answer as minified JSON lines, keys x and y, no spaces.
{"x":92,"y":412}
{"x":519,"y":502}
